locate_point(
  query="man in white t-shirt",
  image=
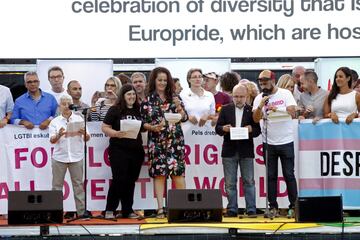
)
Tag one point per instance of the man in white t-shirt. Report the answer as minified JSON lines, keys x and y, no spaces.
{"x":56,"y":79}
{"x":278,"y":107}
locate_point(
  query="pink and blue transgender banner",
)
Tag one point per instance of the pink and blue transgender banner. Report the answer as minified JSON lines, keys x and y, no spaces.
{"x":329,"y":161}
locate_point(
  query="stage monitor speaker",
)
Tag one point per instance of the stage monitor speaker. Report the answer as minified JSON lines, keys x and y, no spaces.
{"x":319,"y":209}
{"x":188,"y":205}
{"x":32,"y":207}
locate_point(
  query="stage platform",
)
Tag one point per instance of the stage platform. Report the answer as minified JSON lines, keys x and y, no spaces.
{"x":152,"y":228}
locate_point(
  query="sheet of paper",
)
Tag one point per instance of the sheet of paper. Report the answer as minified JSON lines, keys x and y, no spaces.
{"x":131,"y":127}
{"x":172,"y":117}
{"x":238,"y":133}
{"x":278,"y":116}
{"x":74,"y":127}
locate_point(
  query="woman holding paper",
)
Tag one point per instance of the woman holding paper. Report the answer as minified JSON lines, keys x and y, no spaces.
{"x":162,"y":111}
{"x":126,"y":155}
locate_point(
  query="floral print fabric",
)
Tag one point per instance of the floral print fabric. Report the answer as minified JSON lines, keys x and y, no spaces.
{"x":166,"y":149}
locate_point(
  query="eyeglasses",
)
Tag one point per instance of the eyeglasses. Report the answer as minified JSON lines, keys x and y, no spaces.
{"x":31,"y":82}
{"x":110,"y":85}
{"x":56,"y":77}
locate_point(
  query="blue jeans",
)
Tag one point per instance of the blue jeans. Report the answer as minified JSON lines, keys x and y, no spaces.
{"x":286,"y":154}
{"x":230,"y":165}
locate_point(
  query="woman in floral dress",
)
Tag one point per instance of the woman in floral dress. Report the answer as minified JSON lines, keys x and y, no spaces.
{"x":166,"y":148}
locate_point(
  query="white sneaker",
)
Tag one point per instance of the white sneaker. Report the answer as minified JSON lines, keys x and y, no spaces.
{"x":274,"y":212}
{"x":109,"y":215}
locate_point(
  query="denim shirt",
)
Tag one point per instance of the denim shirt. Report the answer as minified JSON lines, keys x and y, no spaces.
{"x":35,"y":111}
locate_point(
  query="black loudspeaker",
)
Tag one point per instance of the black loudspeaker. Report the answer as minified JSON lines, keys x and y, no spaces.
{"x":32,"y":207}
{"x":188,"y":205}
{"x":319,"y":209}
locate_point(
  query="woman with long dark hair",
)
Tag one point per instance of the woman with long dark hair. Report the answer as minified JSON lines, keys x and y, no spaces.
{"x":166,"y":147}
{"x":126,"y":155}
{"x":342,"y":101}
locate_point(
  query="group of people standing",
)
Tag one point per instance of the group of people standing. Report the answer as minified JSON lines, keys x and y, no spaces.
{"x":165,"y":142}
{"x":201,"y":104}
{"x":293,"y":96}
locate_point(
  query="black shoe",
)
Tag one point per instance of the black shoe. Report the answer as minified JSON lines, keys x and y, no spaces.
{"x":251,"y":215}
{"x":86,"y":215}
{"x":230,"y":214}
{"x":70,"y":215}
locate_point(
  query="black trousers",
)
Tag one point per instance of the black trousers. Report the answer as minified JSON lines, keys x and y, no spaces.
{"x":125,"y":168}
{"x":286,"y":154}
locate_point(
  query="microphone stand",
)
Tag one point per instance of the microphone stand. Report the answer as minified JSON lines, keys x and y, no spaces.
{"x":267,"y":213}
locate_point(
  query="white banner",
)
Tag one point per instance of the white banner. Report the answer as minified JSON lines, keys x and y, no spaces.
{"x":25,"y":161}
{"x":174,"y":28}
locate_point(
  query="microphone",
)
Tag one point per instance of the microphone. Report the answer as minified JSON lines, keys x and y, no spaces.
{"x":266,"y":93}
{"x":74,"y":107}
{"x":77,"y":107}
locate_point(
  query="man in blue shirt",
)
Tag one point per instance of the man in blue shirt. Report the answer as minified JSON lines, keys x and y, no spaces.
{"x":6,"y":105}
{"x":34,"y":107}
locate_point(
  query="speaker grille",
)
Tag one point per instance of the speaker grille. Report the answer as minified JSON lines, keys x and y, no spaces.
{"x":187,"y":205}
{"x":33,"y":207}
{"x":319,"y":209}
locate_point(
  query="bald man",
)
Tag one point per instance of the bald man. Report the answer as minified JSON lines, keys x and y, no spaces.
{"x":297,"y":74}
{"x":238,"y":152}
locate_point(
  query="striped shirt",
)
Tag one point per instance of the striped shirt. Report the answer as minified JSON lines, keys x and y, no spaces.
{"x":101,"y":108}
